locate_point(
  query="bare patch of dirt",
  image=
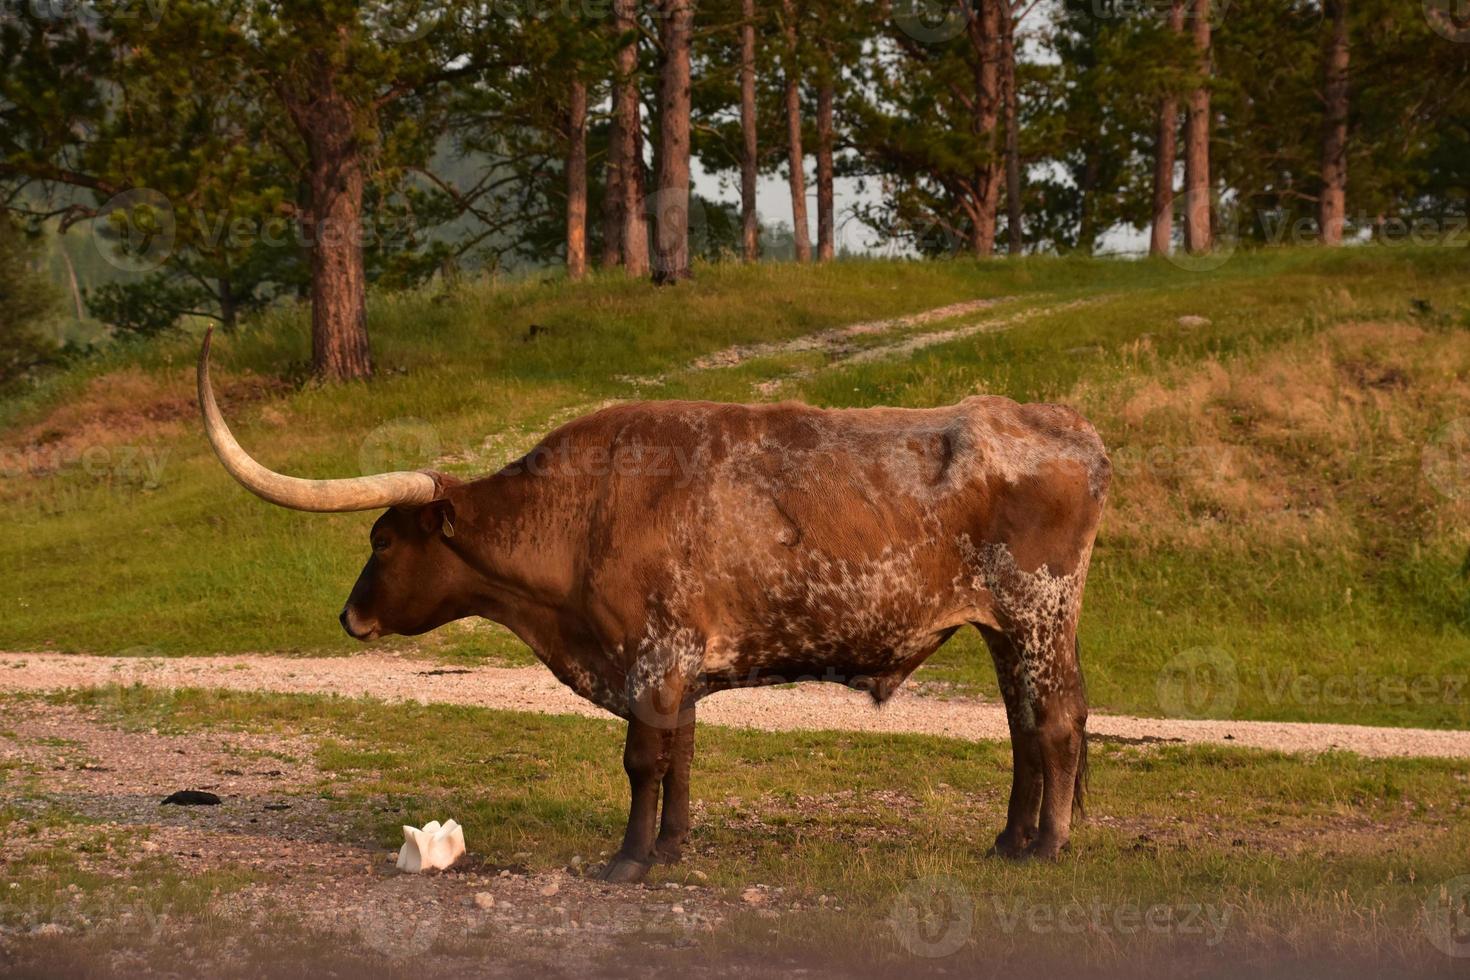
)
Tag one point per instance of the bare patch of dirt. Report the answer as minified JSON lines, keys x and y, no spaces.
{"x":307,"y":872}
{"x":125,"y":407}
{"x":839,"y":340}
{"x":798,"y":707}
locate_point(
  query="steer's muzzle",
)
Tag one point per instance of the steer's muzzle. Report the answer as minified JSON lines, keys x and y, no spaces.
{"x":356,"y":628}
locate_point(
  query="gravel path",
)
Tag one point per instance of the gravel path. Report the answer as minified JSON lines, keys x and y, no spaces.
{"x":801,"y":707}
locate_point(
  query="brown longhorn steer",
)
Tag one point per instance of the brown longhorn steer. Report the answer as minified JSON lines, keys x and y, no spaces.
{"x":653,"y":553}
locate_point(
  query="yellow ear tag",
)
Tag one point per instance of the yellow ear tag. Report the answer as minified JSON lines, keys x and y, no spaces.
{"x":448,"y":527}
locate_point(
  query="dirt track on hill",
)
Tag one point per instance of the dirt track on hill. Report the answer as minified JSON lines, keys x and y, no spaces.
{"x":803,"y":707}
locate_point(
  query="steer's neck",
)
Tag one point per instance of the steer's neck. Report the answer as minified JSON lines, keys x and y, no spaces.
{"x":515,"y":530}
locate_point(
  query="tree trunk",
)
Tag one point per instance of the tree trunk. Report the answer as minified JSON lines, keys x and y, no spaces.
{"x":1087,"y":229}
{"x":1165,"y":145}
{"x":984,"y":32}
{"x":71,"y":277}
{"x":1198,"y":237}
{"x":795,"y":160}
{"x":612,"y":191}
{"x":826,"y":220}
{"x":628,"y":131}
{"x":229,"y":308}
{"x":1014,"y":236}
{"x":671,"y":218}
{"x":577,"y":181}
{"x":333,"y":227}
{"x":1333,"y":204}
{"x":749,"y":163}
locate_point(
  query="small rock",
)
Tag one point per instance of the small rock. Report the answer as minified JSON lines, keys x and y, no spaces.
{"x":700,"y":875}
{"x":576,"y":860}
{"x":1190,"y":322}
{"x":47,"y":929}
{"x":150,"y":846}
{"x":484,"y":900}
{"x":550,"y":890}
{"x":752,"y":896}
{"x":677,"y":909}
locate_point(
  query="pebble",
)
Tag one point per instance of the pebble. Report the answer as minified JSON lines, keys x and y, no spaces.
{"x":47,"y":929}
{"x":484,"y":900}
{"x":1194,"y":321}
{"x":752,"y":896}
{"x":677,"y":909}
{"x":550,"y":890}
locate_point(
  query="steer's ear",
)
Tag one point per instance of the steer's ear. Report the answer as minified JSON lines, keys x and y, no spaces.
{"x":437,"y":516}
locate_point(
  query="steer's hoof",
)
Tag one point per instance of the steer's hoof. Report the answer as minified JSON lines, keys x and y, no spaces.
{"x":1043,"y":850}
{"x":668,"y":853}
{"x":624,"y":871}
{"x":1012,"y":845}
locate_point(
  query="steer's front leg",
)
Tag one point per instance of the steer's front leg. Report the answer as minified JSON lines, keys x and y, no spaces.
{"x":673,"y":827}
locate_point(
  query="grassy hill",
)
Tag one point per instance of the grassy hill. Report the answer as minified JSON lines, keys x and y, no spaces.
{"x":1287,"y":535}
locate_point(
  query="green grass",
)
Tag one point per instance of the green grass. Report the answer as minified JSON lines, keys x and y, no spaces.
{"x":1371,"y":598}
{"x":1324,"y":858}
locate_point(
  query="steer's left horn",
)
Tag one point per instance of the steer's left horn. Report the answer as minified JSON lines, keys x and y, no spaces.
{"x":357,"y":493}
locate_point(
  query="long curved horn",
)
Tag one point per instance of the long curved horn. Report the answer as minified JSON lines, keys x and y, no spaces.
{"x":357,"y":493}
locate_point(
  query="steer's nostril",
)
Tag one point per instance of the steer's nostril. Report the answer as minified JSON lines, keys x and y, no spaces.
{"x":343,"y":620}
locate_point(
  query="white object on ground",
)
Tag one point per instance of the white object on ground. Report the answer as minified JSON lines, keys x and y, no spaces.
{"x":433,"y":846}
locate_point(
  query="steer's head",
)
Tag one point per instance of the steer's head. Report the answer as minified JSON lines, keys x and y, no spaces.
{"x":416,"y":578}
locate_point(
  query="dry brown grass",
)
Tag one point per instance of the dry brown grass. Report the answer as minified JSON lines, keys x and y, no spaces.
{"x":1281,"y":446}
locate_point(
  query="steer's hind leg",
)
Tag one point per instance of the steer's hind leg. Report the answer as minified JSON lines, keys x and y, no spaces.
{"x":674,"y":821}
{"x":1047,"y":710}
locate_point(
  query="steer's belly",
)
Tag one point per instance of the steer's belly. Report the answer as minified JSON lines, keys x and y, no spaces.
{"x":877,"y":663}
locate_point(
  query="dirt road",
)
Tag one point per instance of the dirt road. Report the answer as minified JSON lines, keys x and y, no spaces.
{"x":809,"y":706}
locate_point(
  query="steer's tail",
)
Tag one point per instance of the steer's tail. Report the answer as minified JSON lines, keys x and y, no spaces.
{"x":1079,"y":788}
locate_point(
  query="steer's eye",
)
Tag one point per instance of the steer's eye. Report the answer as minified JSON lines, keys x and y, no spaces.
{"x":380,"y":544}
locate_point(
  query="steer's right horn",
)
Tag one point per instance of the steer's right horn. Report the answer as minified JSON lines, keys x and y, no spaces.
{"x":356,"y":493}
